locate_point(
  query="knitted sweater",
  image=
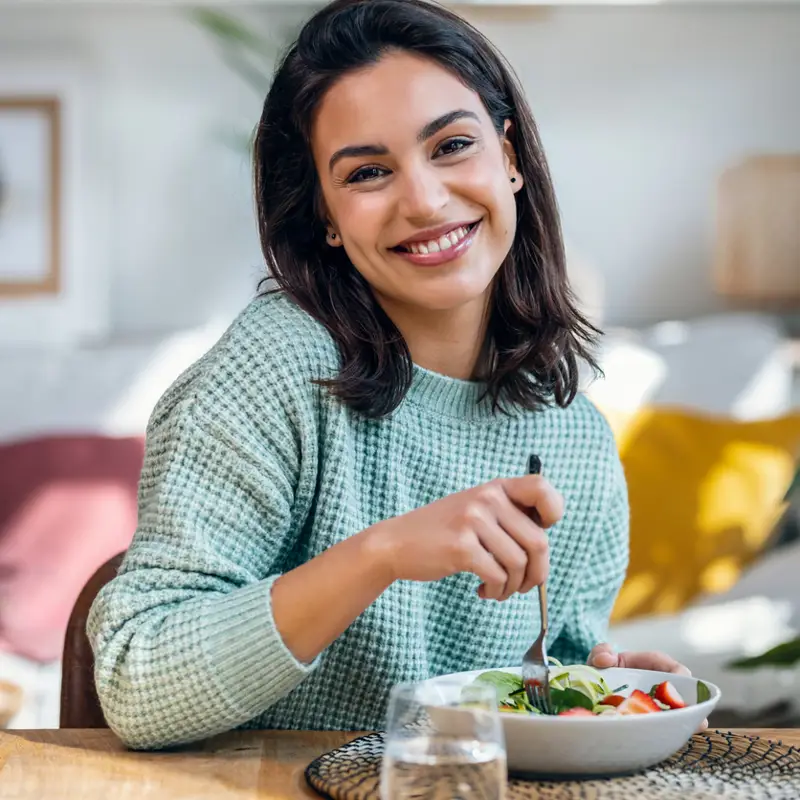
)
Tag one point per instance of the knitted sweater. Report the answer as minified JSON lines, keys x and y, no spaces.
{"x":251,"y":469}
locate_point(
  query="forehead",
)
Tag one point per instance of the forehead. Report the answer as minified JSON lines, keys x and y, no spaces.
{"x":388,"y":103}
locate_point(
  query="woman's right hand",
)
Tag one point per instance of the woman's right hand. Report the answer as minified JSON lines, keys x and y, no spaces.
{"x":488,"y":530}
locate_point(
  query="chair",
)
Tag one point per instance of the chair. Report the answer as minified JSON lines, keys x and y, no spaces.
{"x":80,"y":706}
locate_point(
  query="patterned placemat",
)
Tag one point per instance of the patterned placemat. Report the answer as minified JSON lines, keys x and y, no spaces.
{"x":711,"y":765}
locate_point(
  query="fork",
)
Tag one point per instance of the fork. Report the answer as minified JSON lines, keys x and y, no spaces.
{"x":535,"y":667}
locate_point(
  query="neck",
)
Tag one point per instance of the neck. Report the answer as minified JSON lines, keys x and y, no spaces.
{"x":448,"y":342}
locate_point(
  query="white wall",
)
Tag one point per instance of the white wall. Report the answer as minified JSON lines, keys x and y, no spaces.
{"x":182,"y":246}
{"x":639,"y":110}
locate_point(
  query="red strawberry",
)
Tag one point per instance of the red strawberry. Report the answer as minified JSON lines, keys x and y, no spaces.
{"x":578,"y":711}
{"x":638,"y":703}
{"x":613,"y":700}
{"x":667,"y":694}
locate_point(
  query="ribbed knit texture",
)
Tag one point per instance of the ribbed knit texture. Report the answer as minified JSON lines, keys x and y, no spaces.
{"x":252,"y":469}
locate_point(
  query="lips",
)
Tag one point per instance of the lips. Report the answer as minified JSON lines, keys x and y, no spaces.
{"x":436,"y":242}
{"x":443,"y":248}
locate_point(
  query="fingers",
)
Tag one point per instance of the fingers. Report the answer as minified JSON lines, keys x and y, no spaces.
{"x":532,"y":540}
{"x":535,"y":492}
{"x":603,"y":656}
{"x":655,"y":661}
{"x":483,"y":564}
{"x":508,"y":554}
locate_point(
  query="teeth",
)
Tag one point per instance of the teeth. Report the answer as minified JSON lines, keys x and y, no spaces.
{"x":437,"y":245}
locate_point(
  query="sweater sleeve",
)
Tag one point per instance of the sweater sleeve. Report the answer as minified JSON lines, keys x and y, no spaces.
{"x":184,"y":638}
{"x":600,"y":580}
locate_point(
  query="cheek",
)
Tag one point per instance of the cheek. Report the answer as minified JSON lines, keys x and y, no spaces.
{"x":361,"y":217}
{"x":484,"y":183}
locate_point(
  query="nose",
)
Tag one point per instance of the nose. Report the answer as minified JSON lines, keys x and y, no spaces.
{"x":423,"y":194}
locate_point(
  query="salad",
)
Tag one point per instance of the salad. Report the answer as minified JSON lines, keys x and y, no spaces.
{"x":578,"y":690}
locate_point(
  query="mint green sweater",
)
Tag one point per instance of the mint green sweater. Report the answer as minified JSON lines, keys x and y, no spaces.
{"x":251,"y":469}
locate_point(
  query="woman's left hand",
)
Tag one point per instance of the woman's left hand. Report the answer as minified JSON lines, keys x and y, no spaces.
{"x":604,"y":656}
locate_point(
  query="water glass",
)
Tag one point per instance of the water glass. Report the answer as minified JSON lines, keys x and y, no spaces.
{"x":444,"y":741}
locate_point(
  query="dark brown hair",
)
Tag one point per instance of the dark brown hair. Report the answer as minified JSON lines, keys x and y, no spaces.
{"x":536,"y":335}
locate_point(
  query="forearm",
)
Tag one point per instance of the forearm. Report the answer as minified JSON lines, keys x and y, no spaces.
{"x":315,"y":603}
{"x":177,"y":661}
{"x":177,"y":664}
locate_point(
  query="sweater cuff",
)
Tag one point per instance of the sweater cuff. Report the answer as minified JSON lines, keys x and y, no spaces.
{"x":246,"y":653}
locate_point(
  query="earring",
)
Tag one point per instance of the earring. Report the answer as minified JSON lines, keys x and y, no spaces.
{"x":513,"y":180}
{"x":331,"y":237}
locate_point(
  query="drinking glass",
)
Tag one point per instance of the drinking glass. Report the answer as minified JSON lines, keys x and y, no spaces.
{"x":444,"y":741}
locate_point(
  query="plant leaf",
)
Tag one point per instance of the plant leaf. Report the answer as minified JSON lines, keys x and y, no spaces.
{"x":782,"y":655}
{"x":226,"y":29}
{"x":794,"y":486}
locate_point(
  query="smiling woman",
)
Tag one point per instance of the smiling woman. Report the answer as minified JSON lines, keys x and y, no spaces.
{"x":421,"y":136}
{"x":334,"y":498}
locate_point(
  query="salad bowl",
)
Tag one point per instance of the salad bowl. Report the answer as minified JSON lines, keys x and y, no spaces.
{"x":649,"y":716}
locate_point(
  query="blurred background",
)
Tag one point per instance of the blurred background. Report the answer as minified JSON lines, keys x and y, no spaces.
{"x":128,"y":244}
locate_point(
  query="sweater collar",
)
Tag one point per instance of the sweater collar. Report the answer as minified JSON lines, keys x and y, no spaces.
{"x":449,"y":396}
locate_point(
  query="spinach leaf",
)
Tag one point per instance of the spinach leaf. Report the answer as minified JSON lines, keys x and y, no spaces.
{"x":564,"y":699}
{"x":703,"y":692}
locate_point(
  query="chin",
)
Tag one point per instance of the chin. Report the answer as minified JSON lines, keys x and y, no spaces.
{"x":452,"y":295}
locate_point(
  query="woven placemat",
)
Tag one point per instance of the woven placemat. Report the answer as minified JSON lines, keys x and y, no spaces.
{"x":711,"y":765}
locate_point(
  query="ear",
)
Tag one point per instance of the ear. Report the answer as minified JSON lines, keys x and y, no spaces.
{"x":510,"y":157}
{"x":333,"y":237}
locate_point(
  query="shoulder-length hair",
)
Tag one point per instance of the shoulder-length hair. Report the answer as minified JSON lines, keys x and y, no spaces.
{"x":536,"y":335}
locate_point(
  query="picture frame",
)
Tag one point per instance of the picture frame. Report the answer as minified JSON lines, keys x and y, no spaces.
{"x":30,"y":195}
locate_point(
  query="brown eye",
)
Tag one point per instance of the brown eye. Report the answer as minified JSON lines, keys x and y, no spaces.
{"x":367,"y":174}
{"x":453,"y":146}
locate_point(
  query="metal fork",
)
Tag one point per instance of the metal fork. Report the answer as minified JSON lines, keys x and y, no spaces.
{"x":535,"y":667}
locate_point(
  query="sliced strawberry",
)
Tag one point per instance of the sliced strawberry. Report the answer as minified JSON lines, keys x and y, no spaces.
{"x":576,"y":712}
{"x":638,"y":703}
{"x":667,"y":694}
{"x":613,"y":700}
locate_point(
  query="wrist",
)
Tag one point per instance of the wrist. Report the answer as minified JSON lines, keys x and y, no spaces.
{"x":377,"y":548}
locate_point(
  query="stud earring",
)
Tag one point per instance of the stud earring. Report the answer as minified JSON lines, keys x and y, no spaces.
{"x":513,"y":180}
{"x":331,"y":237}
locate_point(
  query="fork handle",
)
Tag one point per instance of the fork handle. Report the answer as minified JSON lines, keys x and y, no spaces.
{"x":543,"y":606}
{"x":535,"y":468}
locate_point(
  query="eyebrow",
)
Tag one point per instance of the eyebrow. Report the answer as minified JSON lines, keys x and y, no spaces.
{"x":431,"y":129}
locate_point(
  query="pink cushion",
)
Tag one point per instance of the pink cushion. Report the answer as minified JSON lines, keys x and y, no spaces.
{"x":67,"y":505}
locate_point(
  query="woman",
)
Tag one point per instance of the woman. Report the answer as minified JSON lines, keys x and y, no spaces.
{"x":334,"y":498}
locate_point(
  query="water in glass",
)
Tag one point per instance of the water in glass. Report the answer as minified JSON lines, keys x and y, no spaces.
{"x":443,"y":742}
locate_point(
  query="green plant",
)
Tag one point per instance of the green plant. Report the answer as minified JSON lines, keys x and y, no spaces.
{"x":794,"y":486}
{"x":247,"y":52}
{"x":783,"y":655}
{"x":786,"y":654}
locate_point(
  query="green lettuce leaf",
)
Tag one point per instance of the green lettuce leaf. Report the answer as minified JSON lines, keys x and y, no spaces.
{"x":504,"y":683}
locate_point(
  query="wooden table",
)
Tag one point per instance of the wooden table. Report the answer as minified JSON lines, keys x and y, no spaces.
{"x":256,"y":765}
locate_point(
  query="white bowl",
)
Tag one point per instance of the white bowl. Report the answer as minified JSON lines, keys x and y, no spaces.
{"x":601,"y":745}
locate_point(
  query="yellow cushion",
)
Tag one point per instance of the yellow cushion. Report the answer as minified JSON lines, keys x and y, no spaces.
{"x":705,"y":494}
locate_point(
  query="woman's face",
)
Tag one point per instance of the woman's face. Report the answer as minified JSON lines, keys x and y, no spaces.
{"x":417,"y":183}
